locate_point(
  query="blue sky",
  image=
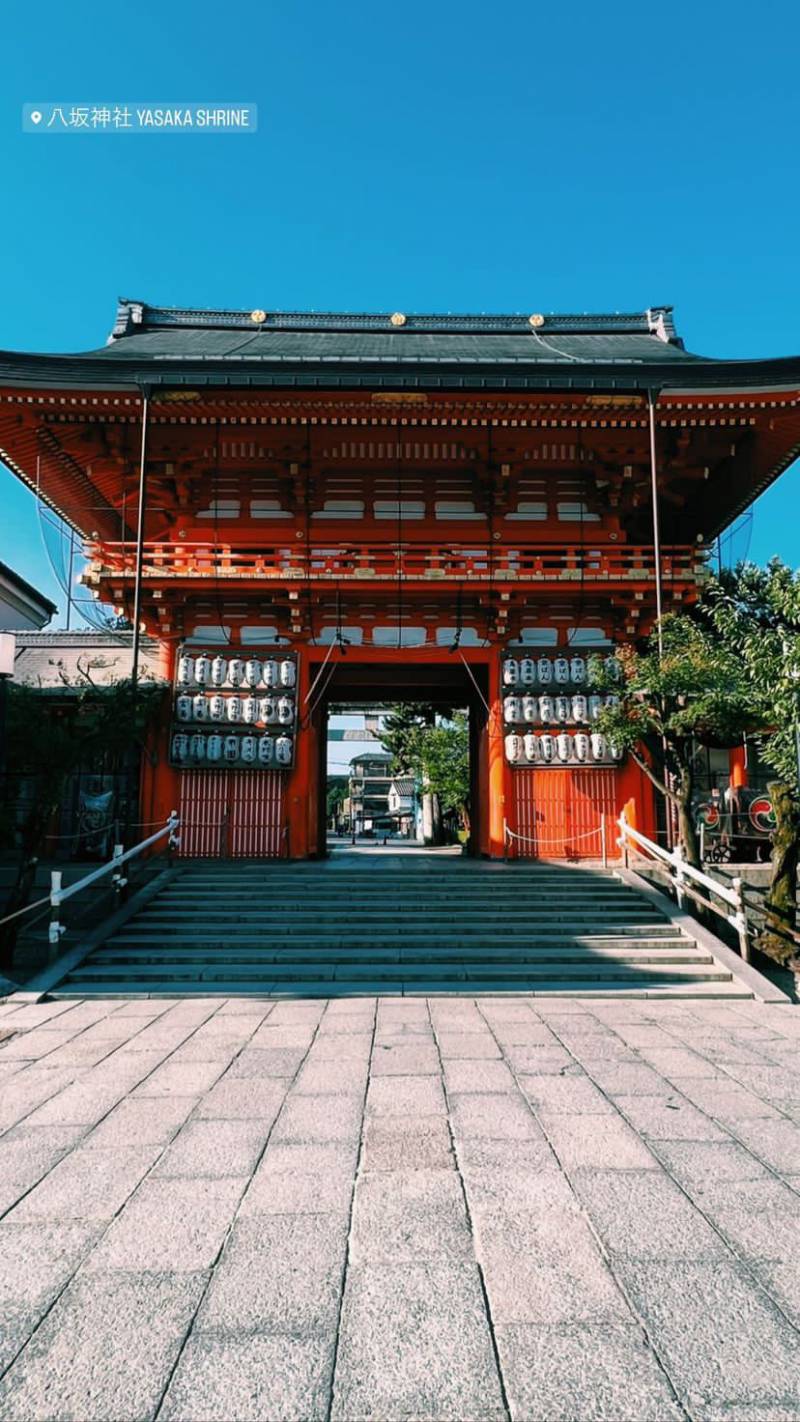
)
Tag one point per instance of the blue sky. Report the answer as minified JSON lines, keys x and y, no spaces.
{"x":454,"y":156}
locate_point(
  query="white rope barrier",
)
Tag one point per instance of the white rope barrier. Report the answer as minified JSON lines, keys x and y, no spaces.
{"x":566,"y":838}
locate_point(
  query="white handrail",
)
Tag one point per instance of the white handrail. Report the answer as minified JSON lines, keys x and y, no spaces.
{"x":681,"y":871}
{"x":58,"y":896}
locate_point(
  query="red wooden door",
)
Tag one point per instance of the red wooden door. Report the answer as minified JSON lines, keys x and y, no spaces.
{"x":232,"y":814}
{"x":559,"y":813}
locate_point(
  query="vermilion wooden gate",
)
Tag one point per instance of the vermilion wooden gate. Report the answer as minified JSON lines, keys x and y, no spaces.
{"x":559,"y":813}
{"x":232,"y":815}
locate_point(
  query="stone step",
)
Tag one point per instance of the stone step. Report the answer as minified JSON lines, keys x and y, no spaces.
{"x":429,"y":942}
{"x":681,"y":951}
{"x":567,"y":972}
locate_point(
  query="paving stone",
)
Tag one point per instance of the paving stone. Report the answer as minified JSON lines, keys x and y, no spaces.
{"x":544,"y":1266}
{"x":269,"y":1038}
{"x":256,"y":1099}
{"x":415,"y":1343}
{"x":340,"y":1025}
{"x":775,"y":1142}
{"x":676,"y":1062}
{"x":478,"y":1076}
{"x":267,"y":1061}
{"x":406,"y":1142}
{"x":585,"y":1372}
{"x":781,"y":1279}
{"x":721,"y":1341}
{"x":298,"y":1192}
{"x":251,"y":1378}
{"x":402,"y":1059}
{"x":571,"y":1094}
{"x":180,"y":1079}
{"x":27,"y":1153}
{"x":406,"y":1215}
{"x":725,"y":1101}
{"x":517,"y":1188}
{"x":36,"y":1261}
{"x":34,"y":1014}
{"x":175,"y":1226}
{"x":282,"y":1273}
{"x":645,"y":1215}
{"x":290,"y":1014}
{"x":539,"y":1061}
{"x":316,"y":1159}
{"x":668,"y":1118}
{"x":86,"y":1185}
{"x":477,"y":1154}
{"x":142,"y":1121}
{"x":597,"y":1142}
{"x":213,"y":1148}
{"x":626,"y":1078}
{"x":344,"y":1078}
{"x":24,"y":1094}
{"x":104,"y":1351}
{"x":495,"y":1116}
{"x":468,"y":1045}
{"x":693,"y":1162}
{"x":760,"y":1218}
{"x":33,"y":1046}
{"x":405,"y":1095}
{"x":333,"y":1047}
{"x":319,"y":1118}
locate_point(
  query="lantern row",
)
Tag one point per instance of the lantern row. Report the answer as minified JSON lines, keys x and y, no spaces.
{"x":231,"y":750}
{"x":218,"y":671}
{"x":583,"y":748}
{"x":545,"y":710}
{"x":543,"y":671}
{"x":252,"y":710}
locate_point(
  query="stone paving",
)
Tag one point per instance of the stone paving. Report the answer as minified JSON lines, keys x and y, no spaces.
{"x":403,"y":1208}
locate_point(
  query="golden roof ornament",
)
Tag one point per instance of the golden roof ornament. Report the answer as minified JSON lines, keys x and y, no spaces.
{"x":536,"y":320}
{"x":258,"y":316}
{"x":398,"y":319}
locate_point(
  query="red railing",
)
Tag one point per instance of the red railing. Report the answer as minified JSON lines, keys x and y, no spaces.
{"x":388,"y":562}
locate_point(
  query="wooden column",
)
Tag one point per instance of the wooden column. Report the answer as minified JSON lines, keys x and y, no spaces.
{"x":299,"y":791}
{"x":498,"y":770}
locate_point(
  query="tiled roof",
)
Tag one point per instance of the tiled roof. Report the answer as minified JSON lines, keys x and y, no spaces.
{"x":166,"y":346}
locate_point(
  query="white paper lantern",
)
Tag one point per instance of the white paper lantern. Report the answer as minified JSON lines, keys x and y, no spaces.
{"x":614,"y":750}
{"x":202,"y":669}
{"x":214,"y":748}
{"x":530,"y":708}
{"x":527,"y":671}
{"x":180,"y":747}
{"x":285,"y":711}
{"x":532,"y":750}
{"x":269,"y":674}
{"x":283,"y":750}
{"x":544,"y":671}
{"x":546,"y":709}
{"x":514,"y":749}
{"x":216,"y":708}
{"x":614,"y":667}
{"x":577,"y":670}
{"x":200,"y":707}
{"x":595,"y":707}
{"x":231,"y":748}
{"x":547,"y":746}
{"x":510,"y":672}
{"x":561,"y":670}
{"x":266,"y":750}
{"x":562,"y":708}
{"x":252,"y":671}
{"x":197,"y":748}
{"x":183,"y":708}
{"x":235,"y":671}
{"x":268,"y":710}
{"x":564,"y":746}
{"x":287,"y":676}
{"x":580,"y":709}
{"x":581,"y":746}
{"x":598,"y":742}
{"x":249,"y":710}
{"x":233,"y":708}
{"x":247,"y":749}
{"x":185,"y":670}
{"x":512,"y":710}
{"x":219,"y":671}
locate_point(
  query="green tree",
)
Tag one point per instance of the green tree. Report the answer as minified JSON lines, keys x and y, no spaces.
{"x":432,"y":744}
{"x":756,"y":613}
{"x":693,"y":690}
{"x":47,"y":739}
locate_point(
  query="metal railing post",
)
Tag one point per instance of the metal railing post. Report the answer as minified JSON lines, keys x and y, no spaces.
{"x":680,"y":877}
{"x":56,"y":928}
{"x":118,"y":879}
{"x":740,"y":920}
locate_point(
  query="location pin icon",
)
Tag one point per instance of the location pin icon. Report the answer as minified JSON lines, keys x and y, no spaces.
{"x":36,"y":117}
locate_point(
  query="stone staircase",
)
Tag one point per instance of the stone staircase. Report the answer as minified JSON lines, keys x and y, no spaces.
{"x":380,"y":925}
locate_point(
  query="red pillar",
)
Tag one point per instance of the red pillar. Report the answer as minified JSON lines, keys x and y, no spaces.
{"x":737,"y":760}
{"x":300,"y":778}
{"x":499,"y":771}
{"x":159,"y":783}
